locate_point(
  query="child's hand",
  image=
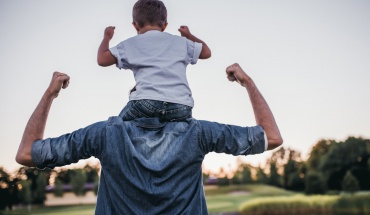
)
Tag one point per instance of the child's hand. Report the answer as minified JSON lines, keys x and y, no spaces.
{"x":109,"y":32}
{"x":184,"y":31}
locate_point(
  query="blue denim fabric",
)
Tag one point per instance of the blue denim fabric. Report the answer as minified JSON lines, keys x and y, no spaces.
{"x":165,"y":111}
{"x":149,"y":166}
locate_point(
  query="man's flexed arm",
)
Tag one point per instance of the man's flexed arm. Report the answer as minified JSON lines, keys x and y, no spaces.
{"x":36,"y":124}
{"x":262,"y":112}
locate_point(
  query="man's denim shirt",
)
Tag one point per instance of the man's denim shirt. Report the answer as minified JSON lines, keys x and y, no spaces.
{"x":149,"y":167}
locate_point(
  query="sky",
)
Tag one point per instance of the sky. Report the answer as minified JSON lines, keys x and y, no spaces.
{"x":310,"y":59}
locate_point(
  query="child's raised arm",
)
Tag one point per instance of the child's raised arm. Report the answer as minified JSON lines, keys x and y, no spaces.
{"x":105,"y":57}
{"x":185,"y":32}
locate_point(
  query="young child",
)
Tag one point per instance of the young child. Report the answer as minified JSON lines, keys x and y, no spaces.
{"x":158,"y":61}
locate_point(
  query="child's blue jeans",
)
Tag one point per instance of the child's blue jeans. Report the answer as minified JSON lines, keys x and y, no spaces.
{"x":165,"y":111}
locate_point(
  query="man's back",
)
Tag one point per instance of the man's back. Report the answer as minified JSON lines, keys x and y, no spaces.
{"x":148,"y":166}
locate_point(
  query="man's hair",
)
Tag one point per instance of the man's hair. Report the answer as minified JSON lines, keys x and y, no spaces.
{"x":151,"y":12}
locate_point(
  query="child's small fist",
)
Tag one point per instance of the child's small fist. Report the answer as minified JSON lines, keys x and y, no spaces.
{"x":109,"y":32}
{"x":184,"y":31}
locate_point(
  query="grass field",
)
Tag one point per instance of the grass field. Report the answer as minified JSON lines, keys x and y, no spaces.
{"x":228,"y":199}
{"x":62,"y":210}
{"x":219,"y":199}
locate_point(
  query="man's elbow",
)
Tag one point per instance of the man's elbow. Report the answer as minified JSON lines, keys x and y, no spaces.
{"x":24,"y":159}
{"x":19,"y":159}
{"x":275,"y":142}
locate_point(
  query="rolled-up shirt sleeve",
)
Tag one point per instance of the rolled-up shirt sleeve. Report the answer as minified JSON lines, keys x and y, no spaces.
{"x":119,"y":52}
{"x":266,"y":141}
{"x":69,"y":148}
{"x":194,"y":50}
{"x":231,"y":139}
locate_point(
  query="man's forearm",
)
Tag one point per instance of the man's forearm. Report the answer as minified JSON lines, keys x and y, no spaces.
{"x":36,"y":124}
{"x":34,"y":130}
{"x":263,"y":114}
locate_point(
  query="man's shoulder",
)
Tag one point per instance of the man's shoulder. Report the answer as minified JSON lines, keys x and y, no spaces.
{"x":154,"y":123}
{"x":114,"y":120}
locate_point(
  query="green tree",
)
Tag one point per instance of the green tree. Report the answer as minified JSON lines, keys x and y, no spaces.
{"x":4,"y":189}
{"x":58,"y":191}
{"x":8,"y":190}
{"x":92,"y":173}
{"x":296,"y":182}
{"x":279,"y":158}
{"x":65,"y":175}
{"x":78,"y":182}
{"x":314,"y":183}
{"x":243,"y":175}
{"x":38,"y":183}
{"x":368,"y":153}
{"x":318,"y":153}
{"x":285,"y":166}
{"x":205,"y":177}
{"x":237,"y":178}
{"x":224,"y":181}
{"x":96,"y":187}
{"x":246,"y":175}
{"x":261,"y":176}
{"x":274,"y":178}
{"x":351,"y":154}
{"x":25,"y":193}
{"x":41,"y":183}
{"x":92,"y":176}
{"x":292,"y":170}
{"x":350,"y":183}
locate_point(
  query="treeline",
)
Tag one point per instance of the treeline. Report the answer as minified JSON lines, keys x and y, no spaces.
{"x":331,"y":167}
{"x":28,"y":185}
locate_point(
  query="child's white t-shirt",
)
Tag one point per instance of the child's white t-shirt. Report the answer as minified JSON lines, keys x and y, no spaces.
{"x":158,"y":60}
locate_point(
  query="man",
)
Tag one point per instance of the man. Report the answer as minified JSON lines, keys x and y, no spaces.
{"x":148,"y":166}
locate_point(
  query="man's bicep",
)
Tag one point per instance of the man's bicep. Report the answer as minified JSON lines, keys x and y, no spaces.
{"x":231,"y":139}
{"x":69,"y":148}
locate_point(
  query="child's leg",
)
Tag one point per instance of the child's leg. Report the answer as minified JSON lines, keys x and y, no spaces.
{"x":177,"y":112}
{"x":165,"y":111}
{"x":135,"y":109}
{"x":123,"y":114}
{"x":146,"y":108}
